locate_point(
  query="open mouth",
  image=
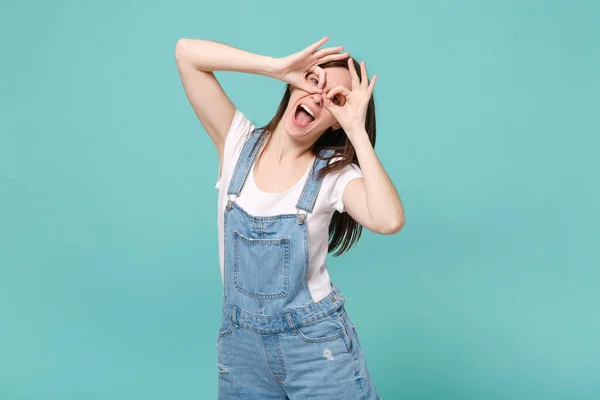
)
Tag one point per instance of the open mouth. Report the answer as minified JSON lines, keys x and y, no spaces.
{"x":303,"y":116}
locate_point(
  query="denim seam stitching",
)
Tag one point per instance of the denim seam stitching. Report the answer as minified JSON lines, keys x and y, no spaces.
{"x":254,"y":315}
{"x":263,"y":218}
{"x":242,"y":168}
{"x":235,"y":175}
{"x":319,"y":340}
{"x":286,"y":329}
{"x":306,"y":265}
{"x":307,"y":186}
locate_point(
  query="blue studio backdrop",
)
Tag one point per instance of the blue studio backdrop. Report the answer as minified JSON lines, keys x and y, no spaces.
{"x":109,"y":276}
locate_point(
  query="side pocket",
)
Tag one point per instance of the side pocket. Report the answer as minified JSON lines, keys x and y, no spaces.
{"x":342,"y":316}
{"x":226,"y":327}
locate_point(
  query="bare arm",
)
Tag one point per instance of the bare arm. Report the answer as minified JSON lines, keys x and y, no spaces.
{"x":373,"y":200}
{"x":196,"y":60}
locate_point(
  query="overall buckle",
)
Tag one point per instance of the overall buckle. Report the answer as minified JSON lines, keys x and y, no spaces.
{"x":301,"y":216}
{"x":230,"y":202}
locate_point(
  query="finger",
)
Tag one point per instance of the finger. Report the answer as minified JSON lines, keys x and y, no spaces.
{"x":309,"y":88}
{"x":329,"y":104}
{"x":315,"y":69}
{"x":325,"y":52}
{"x":372,"y":84}
{"x":310,"y":49}
{"x":307,"y":85}
{"x":333,"y":57}
{"x":363,"y":75}
{"x":355,"y":80}
{"x":321,"y":73}
{"x":343,"y":90}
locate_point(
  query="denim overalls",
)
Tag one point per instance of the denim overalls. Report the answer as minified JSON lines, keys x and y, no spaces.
{"x":274,"y":341}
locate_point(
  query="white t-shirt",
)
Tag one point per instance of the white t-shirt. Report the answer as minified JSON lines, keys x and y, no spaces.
{"x":262,"y":204}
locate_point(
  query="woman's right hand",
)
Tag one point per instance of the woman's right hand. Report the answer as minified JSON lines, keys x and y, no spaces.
{"x":294,"y":68}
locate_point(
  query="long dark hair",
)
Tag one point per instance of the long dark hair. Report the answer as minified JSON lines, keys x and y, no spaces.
{"x":344,"y":231}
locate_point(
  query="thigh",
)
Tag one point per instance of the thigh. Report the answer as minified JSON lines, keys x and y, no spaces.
{"x":243,"y":372}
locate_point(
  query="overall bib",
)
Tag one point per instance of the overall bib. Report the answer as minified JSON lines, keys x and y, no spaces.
{"x":274,"y":341}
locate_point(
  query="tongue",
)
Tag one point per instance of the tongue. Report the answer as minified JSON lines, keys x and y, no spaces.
{"x":303,"y":117}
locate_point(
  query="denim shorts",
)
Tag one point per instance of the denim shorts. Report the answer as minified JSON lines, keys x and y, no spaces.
{"x":321,"y":360}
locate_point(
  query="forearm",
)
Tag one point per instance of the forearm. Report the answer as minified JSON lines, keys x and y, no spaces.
{"x":383,"y":202}
{"x":206,"y":55}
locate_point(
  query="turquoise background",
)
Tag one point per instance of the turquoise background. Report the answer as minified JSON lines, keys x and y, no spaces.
{"x":109,"y":279}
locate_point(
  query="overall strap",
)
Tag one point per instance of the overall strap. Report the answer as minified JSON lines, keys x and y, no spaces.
{"x":307,"y":199}
{"x":244,"y":163}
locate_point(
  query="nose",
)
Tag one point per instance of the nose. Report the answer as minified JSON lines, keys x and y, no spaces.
{"x":316,"y":98}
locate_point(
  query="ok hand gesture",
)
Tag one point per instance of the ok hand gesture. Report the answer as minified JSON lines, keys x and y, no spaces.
{"x":294,"y":68}
{"x":350,"y":107}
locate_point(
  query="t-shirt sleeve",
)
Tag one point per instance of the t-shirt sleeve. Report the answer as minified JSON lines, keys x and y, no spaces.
{"x":240,"y":126}
{"x":342,"y":180}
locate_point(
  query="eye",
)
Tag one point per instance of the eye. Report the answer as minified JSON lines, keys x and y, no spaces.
{"x":313,"y":78}
{"x":338,"y":100}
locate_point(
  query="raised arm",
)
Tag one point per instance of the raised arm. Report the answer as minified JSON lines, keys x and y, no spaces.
{"x":197,"y":59}
{"x":372,"y":201}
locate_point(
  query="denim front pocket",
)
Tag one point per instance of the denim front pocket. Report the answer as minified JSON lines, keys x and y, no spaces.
{"x":226,"y":327}
{"x":324,"y":330}
{"x":261,"y":266}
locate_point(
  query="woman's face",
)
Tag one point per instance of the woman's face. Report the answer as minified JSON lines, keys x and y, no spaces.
{"x":306,"y":117}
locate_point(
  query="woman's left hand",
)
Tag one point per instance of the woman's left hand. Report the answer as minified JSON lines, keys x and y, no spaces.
{"x":349,"y":108}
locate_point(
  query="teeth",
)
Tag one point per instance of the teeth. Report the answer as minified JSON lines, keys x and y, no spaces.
{"x":307,"y":110}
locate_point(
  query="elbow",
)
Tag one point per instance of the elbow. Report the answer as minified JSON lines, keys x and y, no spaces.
{"x":393,"y":225}
{"x":185,"y":47}
{"x":179,"y":48}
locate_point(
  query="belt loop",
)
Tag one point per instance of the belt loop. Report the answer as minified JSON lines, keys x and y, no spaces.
{"x":235,"y":317}
{"x":336,"y":297}
{"x":291,"y":323}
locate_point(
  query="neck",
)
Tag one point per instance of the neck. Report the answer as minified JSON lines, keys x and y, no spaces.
{"x":281,"y":147}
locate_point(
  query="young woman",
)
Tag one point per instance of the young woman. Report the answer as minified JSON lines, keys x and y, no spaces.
{"x":290,"y":192}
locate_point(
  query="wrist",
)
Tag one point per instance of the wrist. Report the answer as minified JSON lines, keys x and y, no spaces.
{"x":270,"y":68}
{"x":355,"y":132}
